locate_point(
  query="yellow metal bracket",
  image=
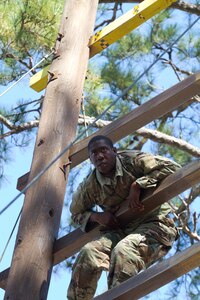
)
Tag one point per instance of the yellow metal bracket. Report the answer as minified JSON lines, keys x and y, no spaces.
{"x":111,"y":33}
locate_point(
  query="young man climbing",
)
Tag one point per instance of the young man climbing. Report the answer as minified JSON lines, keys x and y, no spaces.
{"x":123,"y":252}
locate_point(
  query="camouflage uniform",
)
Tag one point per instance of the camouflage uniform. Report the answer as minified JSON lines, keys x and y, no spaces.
{"x":123,"y":253}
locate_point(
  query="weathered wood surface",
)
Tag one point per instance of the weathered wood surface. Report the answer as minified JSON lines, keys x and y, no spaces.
{"x":31,"y":266}
{"x":160,"y":105}
{"x":156,"y":276}
{"x":174,"y":184}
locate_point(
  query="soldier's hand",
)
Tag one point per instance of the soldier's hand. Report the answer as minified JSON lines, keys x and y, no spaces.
{"x":134,"y":198}
{"x":106,"y":219}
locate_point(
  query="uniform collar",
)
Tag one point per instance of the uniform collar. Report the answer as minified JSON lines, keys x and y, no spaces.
{"x":108,"y":181}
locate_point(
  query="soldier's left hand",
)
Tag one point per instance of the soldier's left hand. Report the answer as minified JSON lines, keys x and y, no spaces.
{"x":134,"y":198}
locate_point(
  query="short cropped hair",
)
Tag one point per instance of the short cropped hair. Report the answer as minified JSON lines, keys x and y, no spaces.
{"x":100,"y":137}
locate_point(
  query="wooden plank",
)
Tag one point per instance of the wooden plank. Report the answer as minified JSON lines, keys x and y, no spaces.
{"x":165,"y":102}
{"x":22,"y":181}
{"x":156,"y":276}
{"x":153,"y":109}
{"x":111,"y":33}
{"x":171,"y":186}
{"x":3,"y":278}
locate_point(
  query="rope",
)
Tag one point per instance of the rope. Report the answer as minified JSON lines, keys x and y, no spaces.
{"x":16,"y":82}
{"x":8,"y":241}
{"x":99,"y":117}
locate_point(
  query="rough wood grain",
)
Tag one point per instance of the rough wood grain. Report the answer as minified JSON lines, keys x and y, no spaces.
{"x":156,"y":276}
{"x":31,"y":266}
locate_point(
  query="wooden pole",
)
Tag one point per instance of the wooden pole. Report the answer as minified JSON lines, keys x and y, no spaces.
{"x":31,"y":266}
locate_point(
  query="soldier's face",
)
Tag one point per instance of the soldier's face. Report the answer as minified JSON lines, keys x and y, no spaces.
{"x":103,"y":157}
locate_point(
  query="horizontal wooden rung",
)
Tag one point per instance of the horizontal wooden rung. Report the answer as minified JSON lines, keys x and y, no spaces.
{"x":156,"y":276}
{"x":160,"y":105}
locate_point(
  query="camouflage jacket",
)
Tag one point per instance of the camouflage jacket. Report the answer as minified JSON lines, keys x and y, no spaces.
{"x":146,"y":169}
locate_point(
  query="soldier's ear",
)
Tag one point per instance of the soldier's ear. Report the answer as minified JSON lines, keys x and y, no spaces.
{"x":115,"y":150}
{"x":90,"y":158}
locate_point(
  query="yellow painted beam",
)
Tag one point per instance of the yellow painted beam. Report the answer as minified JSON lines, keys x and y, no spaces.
{"x":38,"y":81}
{"x":126,"y":23}
{"x":111,"y":33}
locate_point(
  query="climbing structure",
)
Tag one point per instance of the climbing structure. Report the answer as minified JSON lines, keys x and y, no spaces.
{"x":178,"y":182}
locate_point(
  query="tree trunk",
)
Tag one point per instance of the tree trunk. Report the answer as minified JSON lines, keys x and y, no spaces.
{"x":32,"y":260}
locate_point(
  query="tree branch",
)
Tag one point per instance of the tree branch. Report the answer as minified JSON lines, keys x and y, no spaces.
{"x":181,"y":5}
{"x":115,"y":8}
{"x":154,"y":135}
{"x":182,"y":214}
{"x":160,"y":137}
{"x":6,"y":122}
{"x":176,"y":68}
{"x":14,"y":129}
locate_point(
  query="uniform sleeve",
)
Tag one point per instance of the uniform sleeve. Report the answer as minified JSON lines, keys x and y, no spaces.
{"x":153,"y":169}
{"x":81,"y":207}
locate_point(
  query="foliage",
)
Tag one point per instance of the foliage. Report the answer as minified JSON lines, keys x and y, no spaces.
{"x":28,"y":33}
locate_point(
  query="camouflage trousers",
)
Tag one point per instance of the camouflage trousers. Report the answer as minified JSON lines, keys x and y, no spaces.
{"x":122,"y":254}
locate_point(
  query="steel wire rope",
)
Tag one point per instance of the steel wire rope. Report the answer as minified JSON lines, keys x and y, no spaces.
{"x":37,"y":64}
{"x":10,"y":236}
{"x":97,"y":118}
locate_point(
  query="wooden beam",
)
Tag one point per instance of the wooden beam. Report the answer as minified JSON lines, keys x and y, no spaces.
{"x":156,"y":276}
{"x":165,"y":102}
{"x":111,"y":33}
{"x":126,"y":23}
{"x":31,"y":267}
{"x":153,"y":109}
{"x":171,"y":186}
{"x":38,"y":81}
{"x":3,"y":278}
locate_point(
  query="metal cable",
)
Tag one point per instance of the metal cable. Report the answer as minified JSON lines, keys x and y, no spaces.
{"x":99,"y":117}
{"x":8,"y":241}
{"x":16,"y":82}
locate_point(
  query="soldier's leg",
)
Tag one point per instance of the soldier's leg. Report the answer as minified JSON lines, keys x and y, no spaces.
{"x":92,"y":259}
{"x":139,"y":250}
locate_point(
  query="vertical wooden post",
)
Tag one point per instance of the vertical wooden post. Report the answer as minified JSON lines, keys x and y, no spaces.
{"x":31,"y":267}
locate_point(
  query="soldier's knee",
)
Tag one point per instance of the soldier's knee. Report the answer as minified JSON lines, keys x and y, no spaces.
{"x":119,"y":248}
{"x":87,"y":252}
{"x":88,"y":256}
{"x":120,"y":254}
{"x":126,"y":253}
{"x":88,"y":248}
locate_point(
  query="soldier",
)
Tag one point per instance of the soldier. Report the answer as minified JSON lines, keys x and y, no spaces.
{"x":123,"y":252}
